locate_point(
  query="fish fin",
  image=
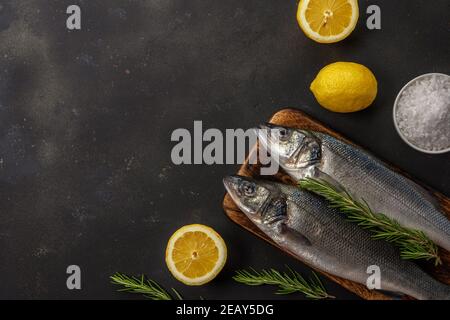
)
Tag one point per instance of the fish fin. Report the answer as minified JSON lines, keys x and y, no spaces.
{"x":291,"y":235}
{"x":320,"y":175}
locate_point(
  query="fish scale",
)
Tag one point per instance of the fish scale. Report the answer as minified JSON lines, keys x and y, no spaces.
{"x":383,"y":189}
{"x":322,"y":237}
{"x":335,"y":231}
{"x":304,"y":154}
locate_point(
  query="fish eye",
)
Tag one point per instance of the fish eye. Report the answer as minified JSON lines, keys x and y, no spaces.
{"x":248,"y":189}
{"x":284,"y":134}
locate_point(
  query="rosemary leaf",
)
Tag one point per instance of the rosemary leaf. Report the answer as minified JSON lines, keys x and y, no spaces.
{"x":413,"y":244}
{"x":287,"y":282}
{"x":149,"y":288}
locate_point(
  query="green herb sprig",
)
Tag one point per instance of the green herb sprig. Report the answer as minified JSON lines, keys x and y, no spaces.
{"x":149,"y":288}
{"x":287,"y":282}
{"x":413,"y":244}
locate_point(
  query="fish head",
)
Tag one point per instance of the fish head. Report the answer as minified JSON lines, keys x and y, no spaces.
{"x":260,"y":201}
{"x":292,"y":148}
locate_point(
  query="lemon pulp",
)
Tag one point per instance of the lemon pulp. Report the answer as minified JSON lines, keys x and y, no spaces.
{"x":195,"y":254}
{"x":327,"y":21}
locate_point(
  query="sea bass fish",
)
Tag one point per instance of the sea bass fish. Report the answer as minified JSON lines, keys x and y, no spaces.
{"x":303,"y":224}
{"x":304,"y":154}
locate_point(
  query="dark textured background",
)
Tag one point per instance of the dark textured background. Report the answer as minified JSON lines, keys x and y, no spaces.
{"x":86,"y":117}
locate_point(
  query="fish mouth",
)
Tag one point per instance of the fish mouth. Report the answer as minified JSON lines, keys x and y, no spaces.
{"x":231,"y":184}
{"x":268,"y":143}
{"x":263,"y":134}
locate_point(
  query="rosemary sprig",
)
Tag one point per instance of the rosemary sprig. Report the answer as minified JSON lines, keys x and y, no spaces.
{"x":286,"y":282}
{"x":147,"y":287}
{"x":413,"y":244}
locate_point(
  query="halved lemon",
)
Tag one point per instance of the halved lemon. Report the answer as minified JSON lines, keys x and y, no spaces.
{"x":327,"y":21}
{"x":195,"y":254}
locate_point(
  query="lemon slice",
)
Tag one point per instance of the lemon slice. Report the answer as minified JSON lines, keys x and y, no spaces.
{"x":195,"y":254}
{"x":327,"y":21}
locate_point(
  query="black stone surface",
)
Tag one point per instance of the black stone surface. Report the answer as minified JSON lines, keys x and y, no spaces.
{"x":86,"y":117}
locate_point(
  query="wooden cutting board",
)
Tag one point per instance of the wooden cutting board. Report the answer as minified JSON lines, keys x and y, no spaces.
{"x":298,"y":119}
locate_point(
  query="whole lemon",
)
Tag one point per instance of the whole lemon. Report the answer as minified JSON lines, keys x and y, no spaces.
{"x":345,"y":87}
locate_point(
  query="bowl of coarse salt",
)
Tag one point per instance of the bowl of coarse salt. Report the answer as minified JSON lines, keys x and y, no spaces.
{"x":422,"y":113}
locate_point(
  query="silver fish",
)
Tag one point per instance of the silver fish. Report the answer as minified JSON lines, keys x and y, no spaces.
{"x":303,"y":154}
{"x":303,"y":224}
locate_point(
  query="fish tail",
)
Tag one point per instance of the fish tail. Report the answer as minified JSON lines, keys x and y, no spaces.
{"x":433,"y":291}
{"x":419,"y":285}
{"x":444,"y":293}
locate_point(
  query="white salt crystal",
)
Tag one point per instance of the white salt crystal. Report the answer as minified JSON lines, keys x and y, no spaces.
{"x":423,"y":112}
